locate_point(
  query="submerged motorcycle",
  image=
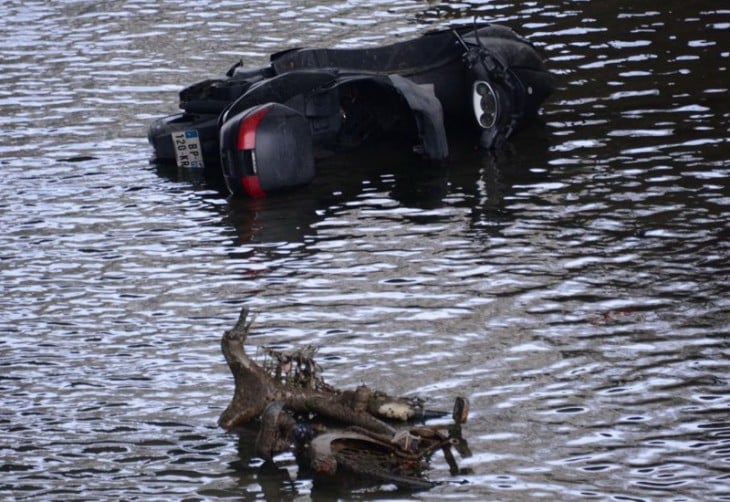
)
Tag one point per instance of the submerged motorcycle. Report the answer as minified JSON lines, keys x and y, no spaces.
{"x":265,"y":127}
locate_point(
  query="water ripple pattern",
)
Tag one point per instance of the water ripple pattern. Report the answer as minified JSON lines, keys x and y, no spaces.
{"x":574,"y":287}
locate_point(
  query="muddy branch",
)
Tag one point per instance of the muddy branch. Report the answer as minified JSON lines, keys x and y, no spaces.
{"x":360,"y":430}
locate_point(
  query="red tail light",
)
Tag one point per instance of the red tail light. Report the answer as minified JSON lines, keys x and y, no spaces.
{"x":252,"y":187}
{"x":247,"y":131}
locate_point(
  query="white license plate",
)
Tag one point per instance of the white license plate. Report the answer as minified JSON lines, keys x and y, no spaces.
{"x":188,"y":153}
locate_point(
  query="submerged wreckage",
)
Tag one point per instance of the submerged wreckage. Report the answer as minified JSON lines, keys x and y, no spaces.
{"x":264,"y":127}
{"x":333,"y":434}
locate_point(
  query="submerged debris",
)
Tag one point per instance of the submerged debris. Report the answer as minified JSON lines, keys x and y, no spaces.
{"x":361,"y":432}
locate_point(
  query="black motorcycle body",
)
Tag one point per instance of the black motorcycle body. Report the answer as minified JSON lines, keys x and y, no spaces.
{"x":265,"y":127}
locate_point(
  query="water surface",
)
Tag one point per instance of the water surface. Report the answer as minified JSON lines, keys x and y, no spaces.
{"x":574,"y":287}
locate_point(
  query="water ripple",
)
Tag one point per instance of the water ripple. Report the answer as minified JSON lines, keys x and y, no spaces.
{"x":575,"y":288}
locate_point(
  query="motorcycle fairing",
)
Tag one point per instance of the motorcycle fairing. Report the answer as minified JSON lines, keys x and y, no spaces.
{"x":328,"y":102}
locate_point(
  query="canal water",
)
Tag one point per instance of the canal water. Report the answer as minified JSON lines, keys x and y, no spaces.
{"x":575,"y":287}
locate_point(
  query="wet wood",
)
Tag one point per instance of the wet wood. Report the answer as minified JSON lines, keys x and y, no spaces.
{"x":255,"y":388}
{"x":331,"y":431}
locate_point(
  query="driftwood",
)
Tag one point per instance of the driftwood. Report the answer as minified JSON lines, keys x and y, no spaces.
{"x":355,"y":430}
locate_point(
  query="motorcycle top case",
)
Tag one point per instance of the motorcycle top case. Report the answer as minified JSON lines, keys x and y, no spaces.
{"x":266,"y":148}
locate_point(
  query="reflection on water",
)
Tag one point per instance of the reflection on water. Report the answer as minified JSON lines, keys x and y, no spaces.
{"x":574,"y":287}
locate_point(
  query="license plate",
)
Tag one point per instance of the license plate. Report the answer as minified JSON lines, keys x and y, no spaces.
{"x":188,"y":153}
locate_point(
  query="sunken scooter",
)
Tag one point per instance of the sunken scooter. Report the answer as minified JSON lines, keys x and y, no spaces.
{"x":264,"y":128}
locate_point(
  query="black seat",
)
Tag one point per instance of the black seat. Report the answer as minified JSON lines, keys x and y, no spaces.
{"x":415,"y":56}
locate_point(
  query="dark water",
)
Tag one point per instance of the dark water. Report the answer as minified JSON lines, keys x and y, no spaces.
{"x":576,"y":288}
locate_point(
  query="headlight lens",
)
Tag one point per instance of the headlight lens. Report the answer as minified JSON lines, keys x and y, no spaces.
{"x":485,"y":104}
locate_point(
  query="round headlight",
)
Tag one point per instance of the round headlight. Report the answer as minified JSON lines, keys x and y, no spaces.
{"x":485,"y":104}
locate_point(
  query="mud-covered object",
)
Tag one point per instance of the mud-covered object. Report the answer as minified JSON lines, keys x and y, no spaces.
{"x":416,"y":91}
{"x":335,"y":434}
